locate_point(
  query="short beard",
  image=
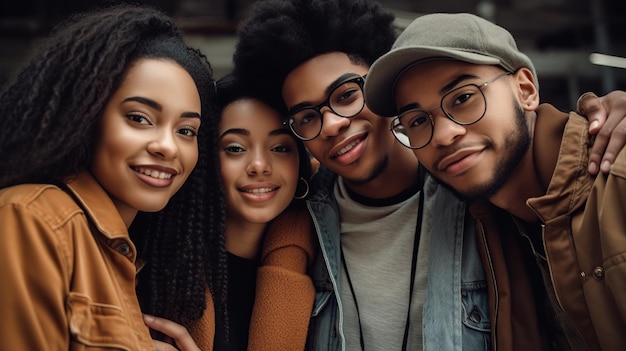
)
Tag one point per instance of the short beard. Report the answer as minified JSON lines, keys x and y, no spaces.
{"x":517,"y":144}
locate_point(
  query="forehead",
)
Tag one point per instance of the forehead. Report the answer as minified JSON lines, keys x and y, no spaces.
{"x":250,"y":114}
{"x":160,"y":80}
{"x":310,"y":80}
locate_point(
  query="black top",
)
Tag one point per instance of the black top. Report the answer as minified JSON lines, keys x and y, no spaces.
{"x":241,"y":290}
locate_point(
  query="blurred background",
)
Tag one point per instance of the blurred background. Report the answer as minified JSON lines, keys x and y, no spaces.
{"x":576,"y":45}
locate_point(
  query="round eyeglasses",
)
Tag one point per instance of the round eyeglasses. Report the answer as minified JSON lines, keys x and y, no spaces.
{"x":464,"y":105}
{"x":345,"y":100}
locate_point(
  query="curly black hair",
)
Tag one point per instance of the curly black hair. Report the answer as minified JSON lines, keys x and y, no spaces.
{"x":282,"y":34}
{"x":49,"y":119}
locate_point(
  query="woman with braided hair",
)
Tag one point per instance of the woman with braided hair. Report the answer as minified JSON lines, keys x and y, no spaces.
{"x":100,"y":130}
{"x":268,"y":231}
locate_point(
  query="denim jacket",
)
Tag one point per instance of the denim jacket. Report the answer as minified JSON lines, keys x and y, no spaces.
{"x":456,"y":307}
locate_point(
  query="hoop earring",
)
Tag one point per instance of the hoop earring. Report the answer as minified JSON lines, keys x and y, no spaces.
{"x":306,"y":192}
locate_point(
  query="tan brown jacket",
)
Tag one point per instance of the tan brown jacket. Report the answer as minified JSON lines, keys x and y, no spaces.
{"x":584,"y":235}
{"x":64,"y":286}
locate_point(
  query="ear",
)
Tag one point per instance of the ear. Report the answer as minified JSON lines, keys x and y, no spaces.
{"x":527,"y":92}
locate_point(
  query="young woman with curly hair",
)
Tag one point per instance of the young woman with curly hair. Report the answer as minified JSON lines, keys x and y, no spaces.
{"x":99,"y":129}
{"x":264,"y":172}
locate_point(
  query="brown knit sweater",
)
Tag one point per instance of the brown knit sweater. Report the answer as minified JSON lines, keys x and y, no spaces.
{"x":284,"y":292}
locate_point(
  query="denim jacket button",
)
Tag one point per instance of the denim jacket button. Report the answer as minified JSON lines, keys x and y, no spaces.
{"x":598,"y":273}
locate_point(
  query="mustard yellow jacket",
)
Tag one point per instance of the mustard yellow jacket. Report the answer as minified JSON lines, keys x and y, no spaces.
{"x":284,"y":292}
{"x":66,"y":285}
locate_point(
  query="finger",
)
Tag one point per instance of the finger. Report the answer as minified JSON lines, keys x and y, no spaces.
{"x":615,"y":145}
{"x":599,"y":148}
{"x":590,"y":106}
{"x":177,"y":332}
{"x":162,"y":346}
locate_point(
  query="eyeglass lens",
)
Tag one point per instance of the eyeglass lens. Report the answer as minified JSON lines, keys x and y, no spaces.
{"x":346,"y":100}
{"x":464,"y":105}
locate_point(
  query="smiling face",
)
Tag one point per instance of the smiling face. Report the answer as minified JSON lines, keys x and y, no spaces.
{"x":474,"y":159}
{"x":356,"y":148}
{"x":258,"y":160}
{"x":147,"y":145}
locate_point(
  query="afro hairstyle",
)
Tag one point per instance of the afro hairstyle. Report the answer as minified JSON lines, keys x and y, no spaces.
{"x":282,"y":34}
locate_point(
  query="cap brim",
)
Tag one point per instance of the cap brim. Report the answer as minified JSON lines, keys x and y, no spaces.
{"x":381,"y":78}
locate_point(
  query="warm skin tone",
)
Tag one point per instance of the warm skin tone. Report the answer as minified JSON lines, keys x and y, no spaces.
{"x":146,"y":149}
{"x":360,"y":149}
{"x":147,"y":145}
{"x":259,"y":164}
{"x":476,"y":159}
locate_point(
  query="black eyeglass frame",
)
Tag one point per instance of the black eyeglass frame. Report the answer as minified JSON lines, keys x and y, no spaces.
{"x":360,"y":80}
{"x":396,"y":120}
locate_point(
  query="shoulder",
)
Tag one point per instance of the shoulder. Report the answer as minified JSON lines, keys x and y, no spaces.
{"x":292,"y":228}
{"x":45,"y":202}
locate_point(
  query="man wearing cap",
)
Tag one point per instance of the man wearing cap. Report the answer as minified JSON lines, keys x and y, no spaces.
{"x":551,"y":236}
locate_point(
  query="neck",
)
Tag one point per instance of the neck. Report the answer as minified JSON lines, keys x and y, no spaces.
{"x":244,"y":238}
{"x":127,"y":213}
{"x":400,"y":174}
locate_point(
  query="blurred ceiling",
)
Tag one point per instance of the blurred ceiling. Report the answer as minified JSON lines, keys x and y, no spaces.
{"x":558,"y":35}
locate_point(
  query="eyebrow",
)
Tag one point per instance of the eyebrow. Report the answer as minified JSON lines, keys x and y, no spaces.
{"x":332,"y":86}
{"x":238,"y":131}
{"x":446,"y":88}
{"x":245,"y":132}
{"x":455,"y":82}
{"x":155,"y":105}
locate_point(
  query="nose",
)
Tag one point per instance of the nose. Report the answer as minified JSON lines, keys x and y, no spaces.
{"x":445,"y":131}
{"x":259,"y":164}
{"x":164,"y":145}
{"x":333,"y":124}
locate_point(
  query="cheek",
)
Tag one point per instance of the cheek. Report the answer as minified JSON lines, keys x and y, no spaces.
{"x":188,"y":153}
{"x":290,"y":170}
{"x":230,"y":170}
{"x":109,"y":149}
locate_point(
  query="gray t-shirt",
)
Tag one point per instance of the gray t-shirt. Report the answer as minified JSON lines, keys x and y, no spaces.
{"x":377,"y":243}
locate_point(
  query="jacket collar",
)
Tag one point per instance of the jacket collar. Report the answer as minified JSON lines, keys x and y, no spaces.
{"x":560,"y":145}
{"x":98,"y":205}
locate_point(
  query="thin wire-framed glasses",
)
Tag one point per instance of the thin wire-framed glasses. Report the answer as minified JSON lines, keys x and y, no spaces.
{"x":345,"y":100}
{"x":464,"y":105}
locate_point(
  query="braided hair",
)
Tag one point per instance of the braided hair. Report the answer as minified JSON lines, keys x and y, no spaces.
{"x":49,"y":118}
{"x":282,"y":34}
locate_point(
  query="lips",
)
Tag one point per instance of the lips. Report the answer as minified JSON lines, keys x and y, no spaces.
{"x":347,"y":148}
{"x":153,"y":173}
{"x":456,"y":157}
{"x":260,"y":190}
{"x":155,"y":176}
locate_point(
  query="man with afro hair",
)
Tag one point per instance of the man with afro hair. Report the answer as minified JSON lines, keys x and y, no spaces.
{"x":386,"y":279}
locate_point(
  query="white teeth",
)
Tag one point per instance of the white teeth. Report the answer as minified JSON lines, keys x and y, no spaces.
{"x":348,"y":147}
{"x":153,"y":173}
{"x":259,"y":190}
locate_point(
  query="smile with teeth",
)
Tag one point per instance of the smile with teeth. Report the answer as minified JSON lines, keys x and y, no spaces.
{"x":348,"y":147}
{"x":259,"y":190}
{"x":153,"y":173}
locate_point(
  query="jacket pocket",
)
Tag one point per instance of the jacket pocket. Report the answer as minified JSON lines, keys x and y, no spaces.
{"x":98,"y":326}
{"x":475,"y":314}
